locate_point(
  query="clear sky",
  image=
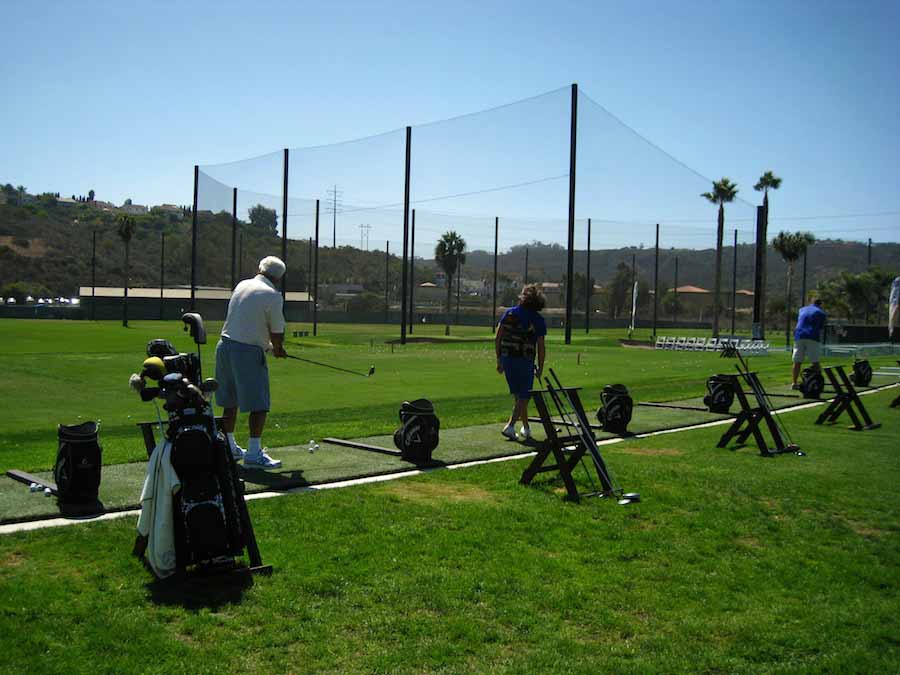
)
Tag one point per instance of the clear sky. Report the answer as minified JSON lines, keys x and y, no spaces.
{"x":126,"y":97}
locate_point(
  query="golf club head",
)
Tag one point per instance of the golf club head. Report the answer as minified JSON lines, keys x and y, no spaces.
{"x":194,"y":322}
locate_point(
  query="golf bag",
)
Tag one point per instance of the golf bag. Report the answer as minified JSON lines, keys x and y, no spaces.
{"x":206,"y":519}
{"x":862,"y":373}
{"x":418,"y":434}
{"x":812,"y":383}
{"x":615,"y":408}
{"x":78,"y":462}
{"x":720,"y":394}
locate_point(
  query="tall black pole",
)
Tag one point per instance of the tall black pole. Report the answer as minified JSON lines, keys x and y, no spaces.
{"x":734,"y":285}
{"x":526,"y":265}
{"x":655,"y":281}
{"x":234,"y":237}
{"x":494,"y":292}
{"x":315,"y":298}
{"x":589,"y":286}
{"x":412,"y":271}
{"x":387,"y":280}
{"x":284,"y":219}
{"x":403,"y":277}
{"x":162,"y":272}
{"x":869,"y":256}
{"x":94,"y":275}
{"x":633,"y":279}
{"x":194,"y":241}
{"x":758,"y":330}
{"x":675,"y":292}
{"x":570,"y":253}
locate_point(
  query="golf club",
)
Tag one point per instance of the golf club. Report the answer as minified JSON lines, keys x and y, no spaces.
{"x":328,"y":365}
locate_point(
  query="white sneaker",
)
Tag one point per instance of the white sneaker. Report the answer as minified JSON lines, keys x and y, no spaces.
{"x":238,"y":453}
{"x":525,"y":433}
{"x":262,"y":459}
{"x":509,"y":431}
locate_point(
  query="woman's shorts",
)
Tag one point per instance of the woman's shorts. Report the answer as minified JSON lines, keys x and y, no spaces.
{"x":519,"y":376}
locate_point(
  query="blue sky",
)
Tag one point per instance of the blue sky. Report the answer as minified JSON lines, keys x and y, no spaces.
{"x":125,"y":98}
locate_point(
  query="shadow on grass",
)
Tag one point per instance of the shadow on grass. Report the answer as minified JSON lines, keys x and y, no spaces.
{"x":202,"y":590}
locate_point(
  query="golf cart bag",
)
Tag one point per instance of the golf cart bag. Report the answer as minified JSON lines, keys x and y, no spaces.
{"x":615,"y":408}
{"x":720,"y":394}
{"x":206,"y":519}
{"x":418,"y":434}
{"x":862,"y":373}
{"x":78,"y":462}
{"x":812,"y":383}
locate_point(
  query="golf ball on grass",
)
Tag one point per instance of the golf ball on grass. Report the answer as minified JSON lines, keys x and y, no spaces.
{"x":48,"y":492}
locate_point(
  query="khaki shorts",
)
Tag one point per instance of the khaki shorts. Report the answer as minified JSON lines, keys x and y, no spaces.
{"x":807,"y":349}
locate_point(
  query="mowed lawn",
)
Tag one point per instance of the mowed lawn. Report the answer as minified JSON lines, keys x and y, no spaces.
{"x":730,"y":563}
{"x":67,"y":372}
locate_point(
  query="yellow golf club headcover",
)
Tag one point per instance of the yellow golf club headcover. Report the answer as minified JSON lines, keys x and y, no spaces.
{"x":154,"y":368}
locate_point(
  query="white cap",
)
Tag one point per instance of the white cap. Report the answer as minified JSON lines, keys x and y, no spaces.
{"x":272,"y":267}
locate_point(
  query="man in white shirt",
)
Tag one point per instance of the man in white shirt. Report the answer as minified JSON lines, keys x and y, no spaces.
{"x":253,"y":325}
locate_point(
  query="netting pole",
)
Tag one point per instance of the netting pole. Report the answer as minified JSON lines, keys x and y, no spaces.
{"x":494,"y":293}
{"x":403,"y":277}
{"x":570,"y":253}
{"x":526,"y":265}
{"x":94,"y":275}
{"x":717,"y":292}
{"x":803,"y":282}
{"x":412,"y":271}
{"x":284,"y":219}
{"x":233,"y":238}
{"x":194,"y":241}
{"x":387,"y":280}
{"x":675,"y":293}
{"x":734,"y":285}
{"x":655,"y":281}
{"x":315,"y":299}
{"x":758,"y":330}
{"x":589,"y":287}
{"x":162,"y":272}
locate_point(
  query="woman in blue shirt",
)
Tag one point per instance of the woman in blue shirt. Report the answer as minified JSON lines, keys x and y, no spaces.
{"x":520,"y":337}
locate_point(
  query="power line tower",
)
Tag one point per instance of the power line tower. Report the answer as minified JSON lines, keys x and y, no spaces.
{"x":364,"y":233}
{"x":334,"y":204}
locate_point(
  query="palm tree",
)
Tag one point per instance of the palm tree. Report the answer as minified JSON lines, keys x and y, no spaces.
{"x":125,"y":228}
{"x":723,"y":191}
{"x":20,"y":191}
{"x":450,"y":253}
{"x":766,"y":181}
{"x":791,"y":246}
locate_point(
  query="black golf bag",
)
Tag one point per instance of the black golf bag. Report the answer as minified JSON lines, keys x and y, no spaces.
{"x":207,"y":520}
{"x":418,"y":434}
{"x":78,"y":462}
{"x":862,"y":373}
{"x":720,"y":394}
{"x":615,"y":409}
{"x":812,"y":383}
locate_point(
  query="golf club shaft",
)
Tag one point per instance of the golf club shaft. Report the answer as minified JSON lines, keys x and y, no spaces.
{"x":327,"y":365}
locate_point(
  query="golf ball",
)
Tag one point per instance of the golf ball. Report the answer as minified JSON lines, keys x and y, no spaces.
{"x":47,"y":492}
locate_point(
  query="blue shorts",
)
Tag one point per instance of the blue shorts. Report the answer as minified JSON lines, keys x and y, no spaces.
{"x":243,"y":376}
{"x":519,"y":376}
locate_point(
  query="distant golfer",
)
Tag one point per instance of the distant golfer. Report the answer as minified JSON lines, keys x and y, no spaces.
{"x":894,"y":308}
{"x":807,"y":338}
{"x":520,"y":337}
{"x":255,"y":321}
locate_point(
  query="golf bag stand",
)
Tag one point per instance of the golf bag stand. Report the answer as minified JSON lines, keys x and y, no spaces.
{"x":845,"y":400}
{"x":749,"y":419}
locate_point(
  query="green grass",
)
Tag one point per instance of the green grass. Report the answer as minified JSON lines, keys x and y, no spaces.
{"x":66,"y":372}
{"x":731,"y":563}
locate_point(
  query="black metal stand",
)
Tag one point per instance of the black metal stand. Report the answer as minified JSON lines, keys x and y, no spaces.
{"x":845,"y":400}
{"x":747,"y":422}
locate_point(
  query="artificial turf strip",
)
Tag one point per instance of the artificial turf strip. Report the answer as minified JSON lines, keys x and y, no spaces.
{"x":731,"y":562}
{"x":120,"y":486}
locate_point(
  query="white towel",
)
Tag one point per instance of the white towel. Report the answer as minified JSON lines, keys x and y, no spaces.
{"x":157,"y":512}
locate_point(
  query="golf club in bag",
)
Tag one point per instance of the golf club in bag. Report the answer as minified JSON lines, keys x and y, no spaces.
{"x":862,"y":373}
{"x":812,"y":382}
{"x":616,"y":407}
{"x":208,"y":518}
{"x":419,"y":431}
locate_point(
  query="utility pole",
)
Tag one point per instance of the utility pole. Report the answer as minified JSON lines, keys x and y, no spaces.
{"x":334,"y":196}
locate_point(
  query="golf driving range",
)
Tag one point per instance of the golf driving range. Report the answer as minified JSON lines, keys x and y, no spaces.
{"x":729,"y":560}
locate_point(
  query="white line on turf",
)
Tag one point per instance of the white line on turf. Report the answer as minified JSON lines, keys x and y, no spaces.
{"x":10,"y":528}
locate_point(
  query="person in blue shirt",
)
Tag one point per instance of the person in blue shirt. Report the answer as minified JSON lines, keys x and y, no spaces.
{"x":519,"y":339}
{"x":807,"y":338}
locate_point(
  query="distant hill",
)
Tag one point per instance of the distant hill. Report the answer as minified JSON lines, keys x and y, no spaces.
{"x":48,"y":243}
